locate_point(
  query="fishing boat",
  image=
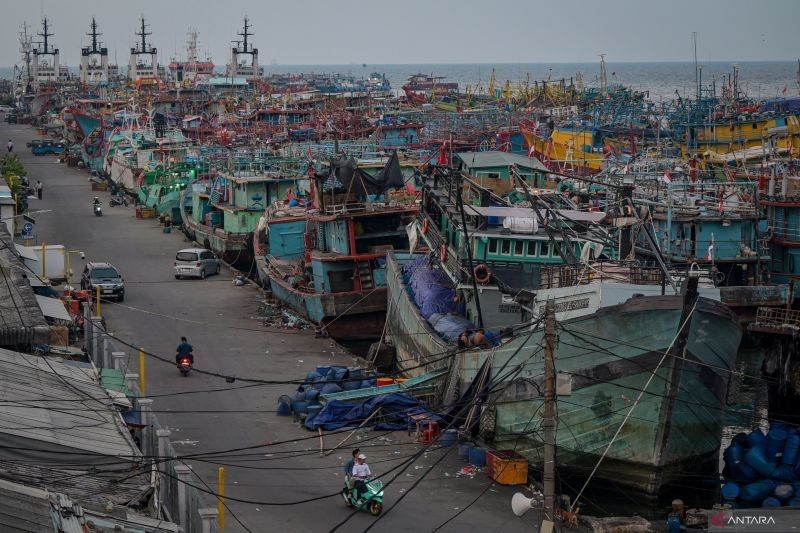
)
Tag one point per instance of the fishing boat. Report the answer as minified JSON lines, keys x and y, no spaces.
{"x":224,"y":213}
{"x":421,"y":88}
{"x":329,"y":265}
{"x":622,"y":329}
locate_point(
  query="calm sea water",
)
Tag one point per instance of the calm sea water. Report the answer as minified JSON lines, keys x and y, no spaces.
{"x":761,"y":79}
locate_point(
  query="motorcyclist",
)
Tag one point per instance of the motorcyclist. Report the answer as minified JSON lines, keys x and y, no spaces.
{"x":96,"y":202}
{"x":184,"y":349}
{"x":361,"y":474}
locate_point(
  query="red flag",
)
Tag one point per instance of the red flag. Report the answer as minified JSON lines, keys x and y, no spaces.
{"x":667,"y":177}
{"x":785,"y":88}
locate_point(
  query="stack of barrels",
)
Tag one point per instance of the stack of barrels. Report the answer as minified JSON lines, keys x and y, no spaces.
{"x":763,"y":469}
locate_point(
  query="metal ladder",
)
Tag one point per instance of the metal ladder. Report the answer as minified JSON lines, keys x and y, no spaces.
{"x":365,"y":275}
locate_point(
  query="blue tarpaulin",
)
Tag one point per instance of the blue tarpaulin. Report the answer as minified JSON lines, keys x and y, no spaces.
{"x":394,"y":415}
{"x":450,"y":326}
{"x":431,"y":289}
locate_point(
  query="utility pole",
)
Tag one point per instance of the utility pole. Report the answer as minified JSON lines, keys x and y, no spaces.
{"x":549,"y":476}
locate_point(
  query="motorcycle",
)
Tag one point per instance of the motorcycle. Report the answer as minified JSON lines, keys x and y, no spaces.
{"x":369,"y":499}
{"x":118,"y":199}
{"x":98,"y":211}
{"x":184,"y":365}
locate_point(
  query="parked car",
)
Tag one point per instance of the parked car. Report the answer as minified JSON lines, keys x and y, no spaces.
{"x":106,"y":277}
{"x":196,"y":263}
{"x":6,"y":109}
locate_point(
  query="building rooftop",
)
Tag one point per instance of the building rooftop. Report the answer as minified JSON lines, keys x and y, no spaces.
{"x":21,"y":318}
{"x":57,"y":414}
{"x":499,"y":159}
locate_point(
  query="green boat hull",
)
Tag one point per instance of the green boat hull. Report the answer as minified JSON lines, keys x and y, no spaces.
{"x":606,"y":358}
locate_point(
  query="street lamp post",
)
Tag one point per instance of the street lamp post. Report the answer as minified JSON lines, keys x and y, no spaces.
{"x":69,"y":266}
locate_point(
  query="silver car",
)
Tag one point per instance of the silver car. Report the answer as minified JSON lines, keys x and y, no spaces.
{"x":196,"y":263}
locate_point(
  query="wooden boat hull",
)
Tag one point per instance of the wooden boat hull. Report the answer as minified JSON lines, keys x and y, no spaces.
{"x":356,"y":315}
{"x":607,"y":357}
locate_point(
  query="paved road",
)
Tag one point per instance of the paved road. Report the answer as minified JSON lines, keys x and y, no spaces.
{"x":220,"y":321}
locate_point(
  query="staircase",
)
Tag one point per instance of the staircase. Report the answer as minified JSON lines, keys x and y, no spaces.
{"x":364,"y":273}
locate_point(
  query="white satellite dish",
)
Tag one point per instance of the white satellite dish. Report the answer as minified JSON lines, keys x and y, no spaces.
{"x":521,"y":504}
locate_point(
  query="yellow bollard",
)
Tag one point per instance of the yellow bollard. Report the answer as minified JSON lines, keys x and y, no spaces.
{"x":44,"y":262}
{"x":141,"y":371}
{"x":220,"y":496}
{"x":97,"y":300}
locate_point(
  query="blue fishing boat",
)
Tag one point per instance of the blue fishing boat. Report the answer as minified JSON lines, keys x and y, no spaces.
{"x":329,"y":265}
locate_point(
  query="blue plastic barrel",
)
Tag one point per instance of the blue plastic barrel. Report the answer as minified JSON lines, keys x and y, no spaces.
{"x":449,"y":437}
{"x":778,"y":425}
{"x":365,"y":384}
{"x":776,"y":442}
{"x":351,"y":384}
{"x":733,"y":454}
{"x":784,"y":473}
{"x":730,"y":490}
{"x":791,"y":449}
{"x":756,"y":439}
{"x":755,"y":458}
{"x":463,"y":450}
{"x":783,"y":491}
{"x":312,"y":376}
{"x":323,"y":370}
{"x":477,"y":456}
{"x":284,"y":405}
{"x":331,"y":388}
{"x":794,"y":502}
{"x":312,"y":395}
{"x":356,"y":372}
{"x":757,"y":491}
{"x":299,"y":407}
{"x":771,"y":502}
{"x":744,"y":472}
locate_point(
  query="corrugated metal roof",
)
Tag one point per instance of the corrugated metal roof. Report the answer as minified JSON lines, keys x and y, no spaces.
{"x":56,"y":413}
{"x":499,"y":159}
{"x":53,"y":308}
{"x":21,"y":319}
{"x":24,"y":509}
{"x":26,"y":252}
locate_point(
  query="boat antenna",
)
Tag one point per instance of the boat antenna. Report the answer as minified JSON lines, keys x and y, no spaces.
{"x":696,"y":69}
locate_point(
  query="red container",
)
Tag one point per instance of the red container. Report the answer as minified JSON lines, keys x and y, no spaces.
{"x":74,"y":307}
{"x":430,"y":432}
{"x":82,"y":294}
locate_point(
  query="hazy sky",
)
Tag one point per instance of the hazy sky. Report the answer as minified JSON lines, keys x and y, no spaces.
{"x":426,"y":31}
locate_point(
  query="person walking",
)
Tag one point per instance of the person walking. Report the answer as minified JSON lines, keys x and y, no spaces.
{"x":10,"y":146}
{"x":39,"y":187}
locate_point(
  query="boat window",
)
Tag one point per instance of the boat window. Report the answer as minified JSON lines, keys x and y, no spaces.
{"x":519,"y":248}
{"x":755,"y":126}
{"x":506,"y":247}
{"x":533,"y":249}
{"x":492,"y":246}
